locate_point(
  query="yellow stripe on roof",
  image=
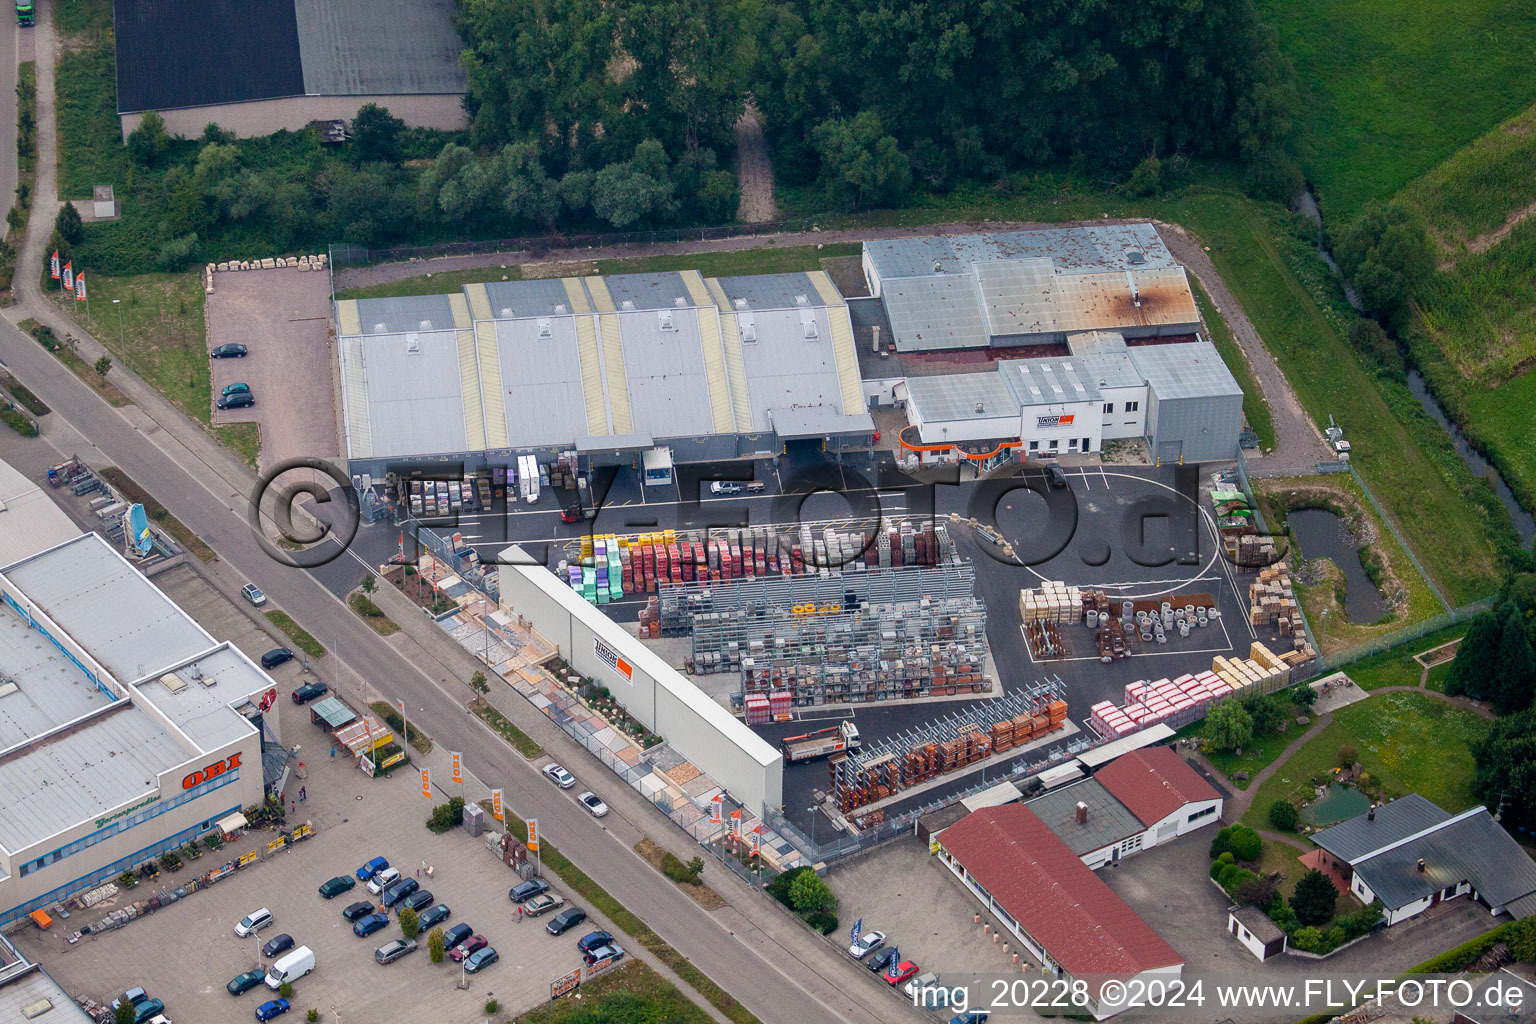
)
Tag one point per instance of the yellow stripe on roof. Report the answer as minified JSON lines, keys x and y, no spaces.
{"x":469,"y":379}
{"x":347,"y":319}
{"x":492,"y":394}
{"x":591,"y":375}
{"x":460,"y":307}
{"x":735,"y":365}
{"x":479,"y":301}
{"x":576,"y":294}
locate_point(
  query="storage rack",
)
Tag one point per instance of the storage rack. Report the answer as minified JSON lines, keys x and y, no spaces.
{"x":947,"y":744}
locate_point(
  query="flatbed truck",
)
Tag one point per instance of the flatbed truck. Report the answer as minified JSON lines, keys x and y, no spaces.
{"x":822,"y":743}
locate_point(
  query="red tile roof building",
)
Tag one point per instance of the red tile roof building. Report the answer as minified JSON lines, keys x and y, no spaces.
{"x":1064,"y":912}
{"x":1153,"y":783}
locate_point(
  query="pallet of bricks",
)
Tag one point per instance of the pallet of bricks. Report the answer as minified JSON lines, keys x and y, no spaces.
{"x":1053,"y":601}
{"x":1249,"y":551}
{"x":1272,"y":602}
{"x":1262,"y":671}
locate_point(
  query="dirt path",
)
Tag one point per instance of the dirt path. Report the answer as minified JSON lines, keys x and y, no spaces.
{"x":1488,"y":239}
{"x":754,"y":171}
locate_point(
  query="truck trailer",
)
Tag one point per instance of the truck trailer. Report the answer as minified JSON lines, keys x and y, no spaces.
{"x":822,"y":743}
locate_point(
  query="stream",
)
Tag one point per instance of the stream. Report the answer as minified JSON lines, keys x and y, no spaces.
{"x":1320,"y":534}
{"x":1525,"y":523}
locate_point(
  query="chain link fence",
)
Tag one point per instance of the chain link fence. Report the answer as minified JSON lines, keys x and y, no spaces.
{"x":1387,"y":641}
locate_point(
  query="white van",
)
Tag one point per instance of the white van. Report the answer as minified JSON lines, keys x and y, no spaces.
{"x":291,"y":968}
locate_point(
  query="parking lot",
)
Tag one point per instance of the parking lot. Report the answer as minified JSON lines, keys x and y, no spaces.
{"x":281,"y":317}
{"x":185,"y":953}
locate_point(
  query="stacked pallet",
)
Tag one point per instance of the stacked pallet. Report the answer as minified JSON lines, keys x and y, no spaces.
{"x":1271,"y":600}
{"x":1052,"y":601}
{"x":1262,"y":669}
{"x":650,"y":620}
{"x":756,"y":709}
{"x":1250,"y":550}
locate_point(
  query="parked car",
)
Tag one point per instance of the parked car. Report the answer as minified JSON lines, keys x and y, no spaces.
{"x":243,"y":983}
{"x":433,"y":916}
{"x":382,"y":880}
{"x":290,"y":968}
{"x":866,"y":944}
{"x":418,"y":899}
{"x":590,"y":941}
{"x":311,"y":691}
{"x":392,"y":951}
{"x":271,"y":1008}
{"x":252,"y":593}
{"x":239,"y":387}
{"x":897,"y":973}
{"x":457,"y":934}
{"x":592,"y":803}
{"x":467,"y":947}
{"x":238,"y":400}
{"x":333,"y":887}
{"x":527,"y":890}
{"x":934,"y":997}
{"x":366,"y":926}
{"x":974,"y":1016}
{"x":371,"y":868}
{"x":725,"y":487}
{"x":147,"y":1009}
{"x":277,"y":945}
{"x":480,"y":959}
{"x":1055,"y":477}
{"x":275,"y":657}
{"x":354,"y":911}
{"x":253,"y":922}
{"x":543,"y":904}
{"x":399,"y":891}
{"x":558,"y":775}
{"x":564,"y":921}
{"x":881,"y":958}
{"x":229,"y":352}
{"x":133,"y":997}
{"x":602,"y":956}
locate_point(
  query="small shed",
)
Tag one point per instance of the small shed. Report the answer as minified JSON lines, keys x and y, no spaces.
{"x":657,"y":463}
{"x":331,"y":714}
{"x":1258,"y":934}
{"x":103,"y":202}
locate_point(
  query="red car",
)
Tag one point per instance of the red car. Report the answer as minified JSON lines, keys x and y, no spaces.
{"x":898,"y":973}
{"x":474,"y":942}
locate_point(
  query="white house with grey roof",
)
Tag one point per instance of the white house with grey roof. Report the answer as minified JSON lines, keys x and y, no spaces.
{"x":1411,"y":855}
{"x":608,"y":366}
{"x":125,"y":728}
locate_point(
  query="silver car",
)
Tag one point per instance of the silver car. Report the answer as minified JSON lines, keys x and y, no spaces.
{"x":392,"y":951}
{"x":558,"y":775}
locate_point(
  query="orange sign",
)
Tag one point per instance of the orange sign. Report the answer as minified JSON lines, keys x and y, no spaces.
{"x":496,"y":805}
{"x":533,"y":834}
{"x":610,"y":657}
{"x":714,"y":809}
{"x":736,"y":822}
{"x":213,"y":771}
{"x":458,"y":769}
{"x":426,"y":783}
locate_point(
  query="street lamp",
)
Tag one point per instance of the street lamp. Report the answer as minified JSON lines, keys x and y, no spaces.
{"x":1322,"y":639}
{"x":813,"y":824}
{"x":122,"y":345}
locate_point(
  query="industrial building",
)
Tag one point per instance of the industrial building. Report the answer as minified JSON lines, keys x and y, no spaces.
{"x":125,"y":728}
{"x":1040,"y":890}
{"x":1411,"y":855}
{"x":610,"y":367}
{"x":254,"y":67}
{"x":1179,"y":398}
{"x":28,"y":993}
{"x":1026,"y":288}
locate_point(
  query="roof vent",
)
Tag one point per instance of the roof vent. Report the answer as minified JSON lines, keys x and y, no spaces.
{"x":741,"y":303}
{"x":938,"y":268}
{"x":979,"y":408}
{"x":506,"y":312}
{"x":680,"y":302}
{"x":544,"y":329}
{"x":380,"y":329}
{"x":801,"y":300}
{"x":1370,"y":815}
{"x":560,"y":307}
{"x":748,"y":328}
{"x":1135,"y":292}
{"x":207,"y":680}
{"x":413,"y":344}
{"x":664,"y":320}
{"x":1135,"y":258}
{"x":425,"y":325}
{"x":173,"y":682}
{"x":808,"y":324}
{"x":1421,"y":865}
{"x":628,"y":305}
{"x":1082,"y":813}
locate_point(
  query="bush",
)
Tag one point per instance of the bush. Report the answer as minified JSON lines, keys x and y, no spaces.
{"x":823,"y":922}
{"x":447,"y":816}
{"x":1239,"y":840}
{"x":492,"y":1005}
{"x":124,"y":1014}
{"x":1256,"y":892}
{"x":285,"y":990}
{"x":69,"y":225}
{"x":312,"y":1016}
{"x":684,"y":874}
{"x":435,"y":945}
{"x":1238,"y":878}
{"x":810,"y":894}
{"x":1347,"y":757}
{"x":1308,"y":940}
{"x":779,"y":887}
{"x":1281,"y":912}
{"x":367,"y":608}
{"x":103,"y":365}
{"x":1314,"y":898}
{"x":17,"y":422}
{"x":410,"y":924}
{"x":1282,"y":815}
{"x":1218,"y":865}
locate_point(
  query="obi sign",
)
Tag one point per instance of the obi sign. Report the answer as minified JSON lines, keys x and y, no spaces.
{"x":610,"y":657}
{"x":1046,"y":422}
{"x":213,"y":771}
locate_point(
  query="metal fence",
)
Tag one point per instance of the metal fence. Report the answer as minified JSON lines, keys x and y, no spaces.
{"x":1387,"y":641}
{"x":481,"y":577}
{"x":1392,"y":528}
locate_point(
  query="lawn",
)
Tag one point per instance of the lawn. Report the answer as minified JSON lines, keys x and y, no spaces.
{"x":1482,"y":314}
{"x":1480,"y":186}
{"x":1397,"y":667}
{"x":631,"y":991}
{"x":1394,"y":87}
{"x":1257,"y":752}
{"x":432,"y":283}
{"x":1255,"y":408}
{"x":1409,"y":742}
{"x":85,"y":83}
{"x":301,"y":639}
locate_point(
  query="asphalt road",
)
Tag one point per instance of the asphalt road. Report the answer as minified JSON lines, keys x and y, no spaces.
{"x":212,"y":502}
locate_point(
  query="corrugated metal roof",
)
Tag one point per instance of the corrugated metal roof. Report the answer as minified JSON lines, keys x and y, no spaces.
{"x":1189,"y":370}
{"x":648,"y":291}
{"x":405,"y":313}
{"x":76,"y":777}
{"x":1071,"y":250}
{"x":786,"y":370}
{"x":32,"y":988}
{"x":1108,"y":819}
{"x":1108,"y":369}
{"x":541,"y":380}
{"x":539,"y":297}
{"x":1091,"y":759}
{"x":1047,"y":381}
{"x":415,"y":398}
{"x":770,"y":291}
{"x":1153,"y":783}
{"x":1403,"y":817}
{"x":1522,"y":908}
{"x":935,"y":312}
{"x":215,"y":686}
{"x":109,"y":608}
{"x":1470,"y":847}
{"x":1053,"y":895}
{"x":333,"y":711}
{"x":50,"y":689}
{"x":956,"y":396}
{"x":817,"y":421}
{"x":30,"y":521}
{"x":379,"y":47}
{"x":664,"y":371}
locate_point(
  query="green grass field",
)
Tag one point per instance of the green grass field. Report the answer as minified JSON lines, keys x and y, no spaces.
{"x":90,"y":140}
{"x":1482,"y":314}
{"x":1480,"y":186}
{"x":1394,"y":87}
{"x":1410,"y":742}
{"x":1397,"y":667}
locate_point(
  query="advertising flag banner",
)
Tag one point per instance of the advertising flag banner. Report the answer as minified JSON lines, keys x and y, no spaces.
{"x":69,"y":276}
{"x":80,"y":287}
{"x":736,"y":823}
{"x":496,"y":805}
{"x":533,"y":834}
{"x":858,"y":928}
{"x":714,"y":809}
{"x":426,"y":783}
{"x":458,"y":768}
{"x":53,"y":265}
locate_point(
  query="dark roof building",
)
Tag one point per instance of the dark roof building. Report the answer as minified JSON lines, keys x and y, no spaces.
{"x":259,"y":66}
{"x":1038,"y":887}
{"x":1411,"y":855}
{"x":1086,"y":817}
